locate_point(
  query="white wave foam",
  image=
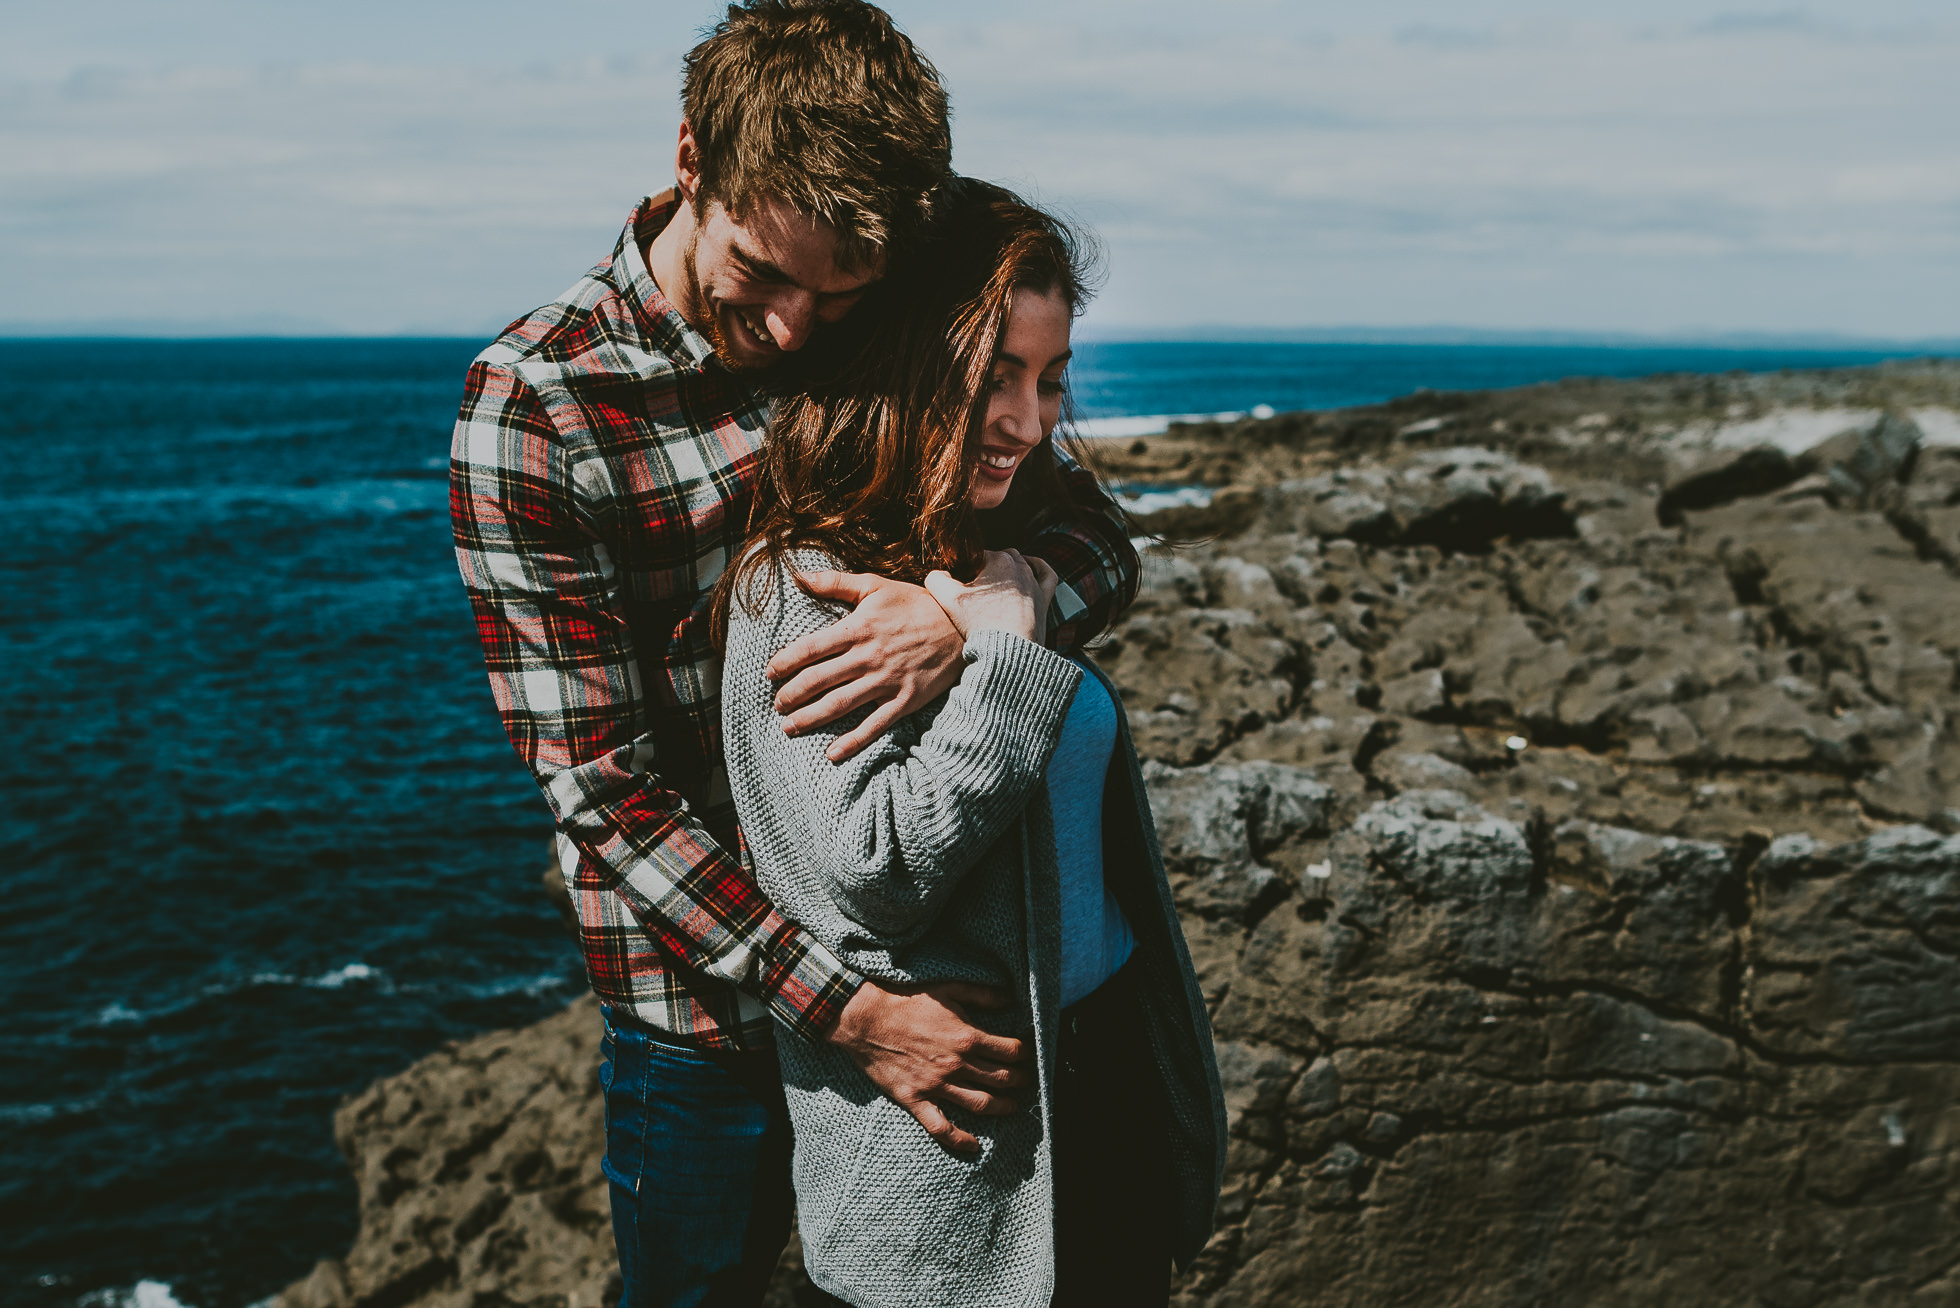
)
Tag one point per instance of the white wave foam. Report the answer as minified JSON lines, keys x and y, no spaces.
{"x":28,"y":1114}
{"x":1147,"y":424}
{"x":144,"y":1294}
{"x":1151,"y":499}
{"x":340,"y":976}
{"x":117,"y":1013}
{"x":530,"y":987}
{"x":360,"y":974}
{"x":334,"y":980}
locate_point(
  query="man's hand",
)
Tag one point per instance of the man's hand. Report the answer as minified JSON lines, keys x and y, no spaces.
{"x":918,"y":1047}
{"x":897,"y":650}
{"x":1003,"y":596}
{"x":1045,"y":582}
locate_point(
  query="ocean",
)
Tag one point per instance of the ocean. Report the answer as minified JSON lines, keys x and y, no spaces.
{"x":263,"y":839}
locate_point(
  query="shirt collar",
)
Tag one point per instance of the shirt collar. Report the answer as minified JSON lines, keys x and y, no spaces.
{"x":662,"y":321}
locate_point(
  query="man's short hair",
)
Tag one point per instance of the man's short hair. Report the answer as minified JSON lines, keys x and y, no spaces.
{"x":827,"y":105}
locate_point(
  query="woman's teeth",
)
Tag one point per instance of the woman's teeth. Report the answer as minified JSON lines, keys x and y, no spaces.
{"x":1001,"y":461}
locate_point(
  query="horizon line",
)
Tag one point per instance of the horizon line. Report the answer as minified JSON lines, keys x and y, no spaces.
{"x":1203,"y":333}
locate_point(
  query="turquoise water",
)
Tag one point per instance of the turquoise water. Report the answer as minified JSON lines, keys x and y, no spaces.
{"x":1164,"y":377}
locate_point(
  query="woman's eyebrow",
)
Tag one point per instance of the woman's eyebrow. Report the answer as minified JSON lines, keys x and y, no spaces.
{"x":1019,"y":362}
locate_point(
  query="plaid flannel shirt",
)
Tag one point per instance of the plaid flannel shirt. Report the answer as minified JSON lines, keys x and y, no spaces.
{"x":601,"y":477}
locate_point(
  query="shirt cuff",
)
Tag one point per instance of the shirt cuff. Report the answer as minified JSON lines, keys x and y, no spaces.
{"x":803,"y":984}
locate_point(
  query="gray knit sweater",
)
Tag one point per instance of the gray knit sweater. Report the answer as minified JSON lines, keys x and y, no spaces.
{"x":930,"y":857}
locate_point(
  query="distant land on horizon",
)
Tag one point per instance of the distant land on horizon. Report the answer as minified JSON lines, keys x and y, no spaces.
{"x":1527,"y":337}
{"x":280,"y":327}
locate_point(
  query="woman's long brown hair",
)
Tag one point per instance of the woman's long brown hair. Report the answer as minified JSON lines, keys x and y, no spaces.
{"x":872,"y":461}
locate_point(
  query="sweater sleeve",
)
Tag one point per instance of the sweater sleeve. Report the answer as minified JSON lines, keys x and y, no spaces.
{"x":884,"y":837}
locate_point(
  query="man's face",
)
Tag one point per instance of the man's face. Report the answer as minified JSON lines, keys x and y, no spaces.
{"x":759,"y":286}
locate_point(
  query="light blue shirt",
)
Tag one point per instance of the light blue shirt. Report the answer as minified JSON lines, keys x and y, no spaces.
{"x":1096,"y":939}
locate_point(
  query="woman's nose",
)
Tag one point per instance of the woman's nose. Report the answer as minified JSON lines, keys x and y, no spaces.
{"x":1020,"y":417}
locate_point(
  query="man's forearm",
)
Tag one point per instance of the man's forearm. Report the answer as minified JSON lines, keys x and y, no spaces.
{"x":655,"y":886}
{"x":1098,"y":571}
{"x":1089,"y":548}
{"x":653,"y":870}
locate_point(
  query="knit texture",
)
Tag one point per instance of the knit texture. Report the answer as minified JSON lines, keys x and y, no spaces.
{"x":931,"y":857}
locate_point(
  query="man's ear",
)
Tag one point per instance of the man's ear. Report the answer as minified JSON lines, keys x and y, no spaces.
{"x":687,"y":165}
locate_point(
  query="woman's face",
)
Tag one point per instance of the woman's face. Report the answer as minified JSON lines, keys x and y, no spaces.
{"x":1026,"y":400}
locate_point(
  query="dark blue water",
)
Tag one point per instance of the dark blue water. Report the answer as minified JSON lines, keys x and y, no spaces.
{"x":263,"y":840}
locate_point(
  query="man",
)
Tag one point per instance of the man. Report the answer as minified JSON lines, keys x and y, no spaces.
{"x":602,"y":471}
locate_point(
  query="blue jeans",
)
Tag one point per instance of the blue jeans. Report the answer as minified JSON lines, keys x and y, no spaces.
{"x":697,"y":1156}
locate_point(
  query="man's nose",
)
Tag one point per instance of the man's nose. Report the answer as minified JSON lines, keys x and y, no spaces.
{"x":790,"y":319}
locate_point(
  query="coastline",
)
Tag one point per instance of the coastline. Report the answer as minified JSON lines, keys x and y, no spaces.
{"x":1561,"y":788}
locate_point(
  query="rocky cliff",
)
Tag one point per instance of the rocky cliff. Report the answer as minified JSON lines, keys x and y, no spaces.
{"x":1559,"y":788}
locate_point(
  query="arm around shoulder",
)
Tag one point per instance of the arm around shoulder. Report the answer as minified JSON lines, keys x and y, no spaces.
{"x":1089,"y":548}
{"x":872,"y":845}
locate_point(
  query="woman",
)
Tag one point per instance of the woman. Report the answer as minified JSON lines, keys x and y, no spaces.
{"x":1001,"y":836}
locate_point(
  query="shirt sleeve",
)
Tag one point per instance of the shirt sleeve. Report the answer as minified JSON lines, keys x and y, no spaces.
{"x":1090,"y":550}
{"x":566,"y":679}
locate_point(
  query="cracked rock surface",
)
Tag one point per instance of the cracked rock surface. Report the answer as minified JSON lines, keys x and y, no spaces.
{"x":1560,"y":792}
{"x":1616,"y":957}
{"x":1476,"y":1058}
{"x":478,"y":1176}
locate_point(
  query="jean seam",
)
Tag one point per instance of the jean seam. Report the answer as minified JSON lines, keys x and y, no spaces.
{"x":644,"y":1083}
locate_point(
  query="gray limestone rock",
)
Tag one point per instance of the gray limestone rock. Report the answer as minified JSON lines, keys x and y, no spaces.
{"x":1855,"y":951}
{"x":1578,"y":900}
{"x":478,"y":1176}
{"x":1455,"y":499}
{"x":1859,"y":463}
{"x":1724,"y":477}
{"x":1220,"y":824}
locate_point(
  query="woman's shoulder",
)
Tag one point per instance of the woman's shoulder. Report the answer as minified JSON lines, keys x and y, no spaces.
{"x":766,"y":601}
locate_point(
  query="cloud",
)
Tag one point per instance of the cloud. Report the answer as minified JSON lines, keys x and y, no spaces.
{"x":1488,"y":166}
{"x":1447,"y":38}
{"x":1781,"y":20}
{"x":369,"y":197}
{"x":1552,"y":173}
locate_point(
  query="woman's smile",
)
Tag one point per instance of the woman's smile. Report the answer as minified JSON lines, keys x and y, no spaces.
{"x":1025,"y":401}
{"x":999,"y":465}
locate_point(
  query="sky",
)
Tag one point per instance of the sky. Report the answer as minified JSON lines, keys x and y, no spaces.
{"x":434,"y":167}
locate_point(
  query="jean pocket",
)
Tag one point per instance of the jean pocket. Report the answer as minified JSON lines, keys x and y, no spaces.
{"x":622,"y":1089}
{"x":615,"y":1175}
{"x":662,"y":1044}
